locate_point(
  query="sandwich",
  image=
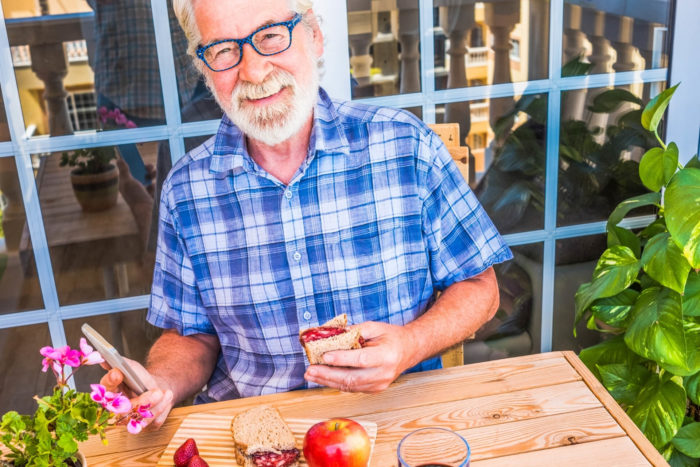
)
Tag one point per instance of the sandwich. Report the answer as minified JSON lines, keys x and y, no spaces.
{"x":332,"y":335}
{"x":263,"y":439}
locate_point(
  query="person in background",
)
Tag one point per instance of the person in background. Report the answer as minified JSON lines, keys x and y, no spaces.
{"x":301,"y":208}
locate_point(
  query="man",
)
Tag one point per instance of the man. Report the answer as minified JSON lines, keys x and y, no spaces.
{"x":299,"y":209}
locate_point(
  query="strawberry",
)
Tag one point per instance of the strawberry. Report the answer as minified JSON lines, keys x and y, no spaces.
{"x":185,"y":452}
{"x":197,"y":461}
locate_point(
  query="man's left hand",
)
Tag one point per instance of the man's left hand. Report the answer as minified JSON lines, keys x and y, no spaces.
{"x":388,"y":351}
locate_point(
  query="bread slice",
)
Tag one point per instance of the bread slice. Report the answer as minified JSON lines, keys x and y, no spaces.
{"x":350,"y":339}
{"x":259,"y":431}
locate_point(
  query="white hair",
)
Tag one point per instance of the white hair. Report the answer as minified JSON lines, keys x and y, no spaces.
{"x":184,"y":10}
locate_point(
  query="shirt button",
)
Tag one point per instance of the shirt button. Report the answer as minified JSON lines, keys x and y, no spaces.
{"x":296,"y":256}
{"x":288,"y":194}
{"x":307,"y":315}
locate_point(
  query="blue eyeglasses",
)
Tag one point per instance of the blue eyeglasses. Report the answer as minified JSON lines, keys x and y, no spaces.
{"x":266,"y":40}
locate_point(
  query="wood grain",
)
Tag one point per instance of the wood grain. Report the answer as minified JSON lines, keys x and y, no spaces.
{"x":534,"y":410}
{"x":212,"y":434}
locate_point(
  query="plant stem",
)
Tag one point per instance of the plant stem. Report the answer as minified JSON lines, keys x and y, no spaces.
{"x":658,"y":138}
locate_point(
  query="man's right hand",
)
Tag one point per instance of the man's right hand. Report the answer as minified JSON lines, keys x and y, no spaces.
{"x":159,"y":396}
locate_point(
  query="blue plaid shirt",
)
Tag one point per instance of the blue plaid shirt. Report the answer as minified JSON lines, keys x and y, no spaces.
{"x":375,"y":220}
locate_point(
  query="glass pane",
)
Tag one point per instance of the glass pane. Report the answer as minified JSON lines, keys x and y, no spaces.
{"x":506,"y":139}
{"x":21,"y":377}
{"x":601,"y":144}
{"x":615,"y":36}
{"x":575,"y":260}
{"x":417,"y":111}
{"x":98,"y":225}
{"x":384,"y":38}
{"x":85,"y":65}
{"x":490,"y":42}
{"x":515,"y":329}
{"x":128,"y":332}
{"x":196,"y":101}
{"x":19,"y":285}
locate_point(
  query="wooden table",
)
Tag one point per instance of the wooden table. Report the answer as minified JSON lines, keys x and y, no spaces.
{"x":536,"y":410}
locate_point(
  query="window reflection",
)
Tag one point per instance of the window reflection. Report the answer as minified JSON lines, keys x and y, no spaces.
{"x":21,"y":377}
{"x":617,"y":36}
{"x":506,"y":139}
{"x":601,"y":144}
{"x":515,"y":329}
{"x":19,"y":286}
{"x":384,"y":40}
{"x":97,"y":251}
{"x":489,"y":42}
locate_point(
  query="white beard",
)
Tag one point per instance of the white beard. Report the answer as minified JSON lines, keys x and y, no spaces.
{"x":274,"y":123}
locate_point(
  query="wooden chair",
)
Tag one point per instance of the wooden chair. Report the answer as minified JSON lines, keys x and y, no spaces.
{"x":449,"y":134}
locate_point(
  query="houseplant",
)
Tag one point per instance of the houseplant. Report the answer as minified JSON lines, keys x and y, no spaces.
{"x":49,"y":437}
{"x":94,"y":178}
{"x":645,"y":296}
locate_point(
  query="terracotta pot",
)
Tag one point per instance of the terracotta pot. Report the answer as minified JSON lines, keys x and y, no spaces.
{"x":96,"y":192}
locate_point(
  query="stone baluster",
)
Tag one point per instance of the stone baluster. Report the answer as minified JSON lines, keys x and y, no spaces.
{"x":457,"y":19}
{"x":574,"y":38}
{"x":409,"y":38}
{"x":13,"y":216}
{"x":593,"y":24}
{"x":360,"y":37}
{"x":623,"y":44}
{"x":574,"y":104}
{"x":51,"y":66}
{"x":501,"y":18}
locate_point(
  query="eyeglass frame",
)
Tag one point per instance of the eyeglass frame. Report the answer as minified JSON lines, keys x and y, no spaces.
{"x":291,"y":24}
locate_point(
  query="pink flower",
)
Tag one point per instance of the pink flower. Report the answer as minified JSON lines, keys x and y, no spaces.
{"x":88,"y":356}
{"x":135,"y":426}
{"x":130,"y":124}
{"x":120,"y":119}
{"x":61,"y":355}
{"x":143,"y":411}
{"x":115,"y":403}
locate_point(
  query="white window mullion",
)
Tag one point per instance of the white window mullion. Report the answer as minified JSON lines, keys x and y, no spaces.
{"x":336,"y":69}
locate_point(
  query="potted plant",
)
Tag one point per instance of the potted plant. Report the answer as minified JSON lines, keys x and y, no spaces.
{"x":50,"y":436}
{"x":645,"y":296}
{"x":94,"y":178}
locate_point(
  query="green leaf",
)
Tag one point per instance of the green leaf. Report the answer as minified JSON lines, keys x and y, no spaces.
{"x":617,"y":268}
{"x":691,"y":296}
{"x":665,"y":263}
{"x":626,"y":206}
{"x":609,"y":101}
{"x":576,"y":67}
{"x":681,"y":201}
{"x":659,"y":410}
{"x":676,"y":458}
{"x":654,"y":110}
{"x":624,"y":382}
{"x":692,"y":387}
{"x":614,"y":310}
{"x":67,"y":443}
{"x":625,"y":237}
{"x":608,"y":352}
{"x":694,"y":162}
{"x":657,"y":332}
{"x":687,"y":440}
{"x":658,"y":166}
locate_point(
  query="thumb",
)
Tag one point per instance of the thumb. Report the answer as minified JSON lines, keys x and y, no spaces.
{"x":112,"y":379}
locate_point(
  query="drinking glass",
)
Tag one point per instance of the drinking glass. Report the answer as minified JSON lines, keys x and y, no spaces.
{"x":433,"y":447}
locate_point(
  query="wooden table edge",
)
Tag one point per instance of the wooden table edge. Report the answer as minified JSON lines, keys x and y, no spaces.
{"x":634,"y":433}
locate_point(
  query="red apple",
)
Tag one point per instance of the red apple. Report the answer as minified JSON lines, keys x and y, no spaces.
{"x":338,"y":442}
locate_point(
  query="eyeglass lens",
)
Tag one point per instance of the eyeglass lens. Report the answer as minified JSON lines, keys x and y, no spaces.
{"x":267,"y":41}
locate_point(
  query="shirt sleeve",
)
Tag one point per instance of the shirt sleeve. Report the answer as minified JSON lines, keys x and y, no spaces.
{"x":462,"y":240}
{"x":175,"y":299}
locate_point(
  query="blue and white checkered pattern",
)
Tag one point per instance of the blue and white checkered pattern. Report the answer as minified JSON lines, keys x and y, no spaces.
{"x":376,"y":219}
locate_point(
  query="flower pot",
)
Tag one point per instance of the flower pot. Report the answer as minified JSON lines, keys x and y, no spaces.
{"x":96,"y":192}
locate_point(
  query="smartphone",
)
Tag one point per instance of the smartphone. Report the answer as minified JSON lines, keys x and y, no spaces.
{"x":112,"y":357}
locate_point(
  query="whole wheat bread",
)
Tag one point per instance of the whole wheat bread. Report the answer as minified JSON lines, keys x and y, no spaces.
{"x":260,"y":429}
{"x":351,"y":339}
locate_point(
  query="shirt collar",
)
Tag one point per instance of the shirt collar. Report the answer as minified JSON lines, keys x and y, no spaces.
{"x":230,"y":151}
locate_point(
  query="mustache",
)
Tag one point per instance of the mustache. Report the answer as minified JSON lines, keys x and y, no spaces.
{"x":275,"y":81}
